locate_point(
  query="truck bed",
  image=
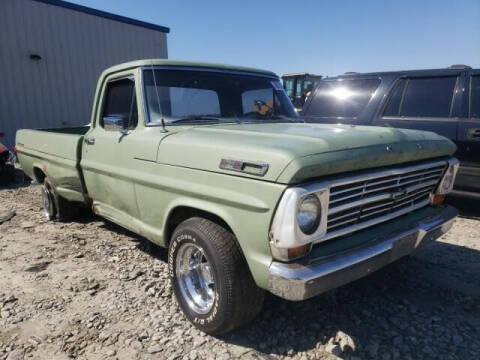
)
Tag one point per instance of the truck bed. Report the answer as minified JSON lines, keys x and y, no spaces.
{"x":54,"y":153}
{"x":77,"y":130}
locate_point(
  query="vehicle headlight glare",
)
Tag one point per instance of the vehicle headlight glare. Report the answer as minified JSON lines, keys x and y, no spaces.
{"x":446,"y":183}
{"x":309,"y":214}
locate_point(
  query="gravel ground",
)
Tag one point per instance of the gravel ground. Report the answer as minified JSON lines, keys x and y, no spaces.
{"x":91,"y":290}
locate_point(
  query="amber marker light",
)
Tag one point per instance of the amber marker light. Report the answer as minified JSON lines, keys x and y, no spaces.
{"x":300,"y":251}
{"x":438,"y":199}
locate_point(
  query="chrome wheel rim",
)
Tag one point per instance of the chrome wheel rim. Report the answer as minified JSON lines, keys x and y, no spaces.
{"x":195,"y":278}
{"x":47,"y":205}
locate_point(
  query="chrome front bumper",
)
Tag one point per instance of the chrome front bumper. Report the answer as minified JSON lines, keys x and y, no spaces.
{"x":299,"y":281}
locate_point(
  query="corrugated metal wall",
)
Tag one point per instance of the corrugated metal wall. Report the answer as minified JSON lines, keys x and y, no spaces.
{"x":75,"y":48}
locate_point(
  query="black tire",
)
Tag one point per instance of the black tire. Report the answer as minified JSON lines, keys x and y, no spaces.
{"x":237,"y":298}
{"x":7,"y":174}
{"x":62,"y":209}
{"x":10,"y":171}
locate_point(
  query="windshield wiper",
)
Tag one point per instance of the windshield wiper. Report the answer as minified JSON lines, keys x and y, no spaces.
{"x":196,"y":119}
{"x":258,"y":116}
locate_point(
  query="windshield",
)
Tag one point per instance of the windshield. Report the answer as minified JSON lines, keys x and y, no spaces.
{"x":288,"y":85}
{"x":344,"y":98}
{"x":179,"y":96}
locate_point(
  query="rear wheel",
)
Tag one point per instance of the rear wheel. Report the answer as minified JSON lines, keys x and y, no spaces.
{"x":48,"y":201}
{"x":210,"y":277}
{"x":54,"y":206}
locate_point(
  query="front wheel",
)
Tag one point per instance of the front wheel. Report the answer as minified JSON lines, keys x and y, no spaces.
{"x":210,"y":277}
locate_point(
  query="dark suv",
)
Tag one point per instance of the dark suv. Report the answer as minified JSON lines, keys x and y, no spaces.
{"x":445,"y":101}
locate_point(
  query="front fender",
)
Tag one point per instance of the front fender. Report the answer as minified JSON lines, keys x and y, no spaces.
{"x":251,"y":233}
{"x":246,"y":205}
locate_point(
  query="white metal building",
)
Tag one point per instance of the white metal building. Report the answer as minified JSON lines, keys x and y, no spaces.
{"x":51,"y":54}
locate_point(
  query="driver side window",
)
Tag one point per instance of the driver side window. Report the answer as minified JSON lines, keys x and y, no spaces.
{"x":121,"y":103}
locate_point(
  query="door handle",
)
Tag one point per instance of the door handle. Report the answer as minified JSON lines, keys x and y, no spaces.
{"x":89,"y":141}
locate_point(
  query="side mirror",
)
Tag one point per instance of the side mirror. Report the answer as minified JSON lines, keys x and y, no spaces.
{"x":115,"y":123}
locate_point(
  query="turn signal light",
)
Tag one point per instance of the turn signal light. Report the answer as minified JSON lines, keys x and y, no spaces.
{"x":297,"y":252}
{"x":438,"y":199}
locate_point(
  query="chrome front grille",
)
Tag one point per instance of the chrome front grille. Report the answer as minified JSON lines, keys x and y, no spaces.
{"x":361,"y":201}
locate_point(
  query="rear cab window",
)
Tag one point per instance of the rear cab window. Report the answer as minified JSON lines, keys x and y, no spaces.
{"x":430,"y":97}
{"x":342,"y":98}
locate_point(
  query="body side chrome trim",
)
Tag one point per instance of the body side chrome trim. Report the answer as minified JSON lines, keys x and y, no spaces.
{"x":258,"y":168}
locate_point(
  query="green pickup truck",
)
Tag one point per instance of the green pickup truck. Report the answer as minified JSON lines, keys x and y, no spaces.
{"x":212,"y":162}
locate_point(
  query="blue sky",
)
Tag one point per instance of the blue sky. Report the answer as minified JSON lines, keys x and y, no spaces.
{"x":324,"y":37}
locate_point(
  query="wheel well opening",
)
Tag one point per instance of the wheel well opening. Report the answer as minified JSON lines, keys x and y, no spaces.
{"x":39,"y":174}
{"x":183,"y":213}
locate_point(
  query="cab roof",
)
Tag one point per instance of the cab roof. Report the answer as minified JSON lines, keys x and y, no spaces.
{"x":454,"y":69}
{"x":188,"y":64}
{"x":300,"y":74}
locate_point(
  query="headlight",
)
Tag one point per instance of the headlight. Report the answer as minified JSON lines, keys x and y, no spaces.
{"x":299,"y":221}
{"x":446,"y":183}
{"x":308,"y":214}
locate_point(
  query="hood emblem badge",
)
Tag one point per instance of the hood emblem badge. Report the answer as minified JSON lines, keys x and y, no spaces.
{"x":248,"y":167}
{"x":389,"y":148}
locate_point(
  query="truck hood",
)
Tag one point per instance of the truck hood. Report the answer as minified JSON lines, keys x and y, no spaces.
{"x":296,"y":152}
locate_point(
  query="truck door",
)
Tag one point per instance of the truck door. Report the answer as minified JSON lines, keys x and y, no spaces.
{"x":424,"y":103}
{"x":468,"y":134}
{"x":106,"y":153}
